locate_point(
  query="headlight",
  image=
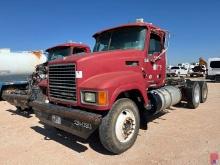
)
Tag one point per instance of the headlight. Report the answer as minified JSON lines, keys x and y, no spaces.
{"x":98,"y":98}
{"x":89,"y":97}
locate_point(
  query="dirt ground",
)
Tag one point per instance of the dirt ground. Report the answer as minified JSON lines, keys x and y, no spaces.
{"x":181,"y":136}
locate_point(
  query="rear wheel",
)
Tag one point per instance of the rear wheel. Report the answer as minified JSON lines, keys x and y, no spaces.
{"x":193,"y":94}
{"x":119,"y":128}
{"x":203,"y":91}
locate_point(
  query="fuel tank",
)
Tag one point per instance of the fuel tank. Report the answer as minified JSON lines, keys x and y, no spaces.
{"x":164,"y":97}
{"x":17,"y":66}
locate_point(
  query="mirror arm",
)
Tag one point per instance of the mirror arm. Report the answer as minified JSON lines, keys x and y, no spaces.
{"x":159,"y":56}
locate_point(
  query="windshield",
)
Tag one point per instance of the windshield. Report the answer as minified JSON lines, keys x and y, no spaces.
{"x":123,"y":38}
{"x":215,"y":64}
{"x":58,"y":52}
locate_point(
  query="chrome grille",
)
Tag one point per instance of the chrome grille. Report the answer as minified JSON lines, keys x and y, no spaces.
{"x":62,"y":82}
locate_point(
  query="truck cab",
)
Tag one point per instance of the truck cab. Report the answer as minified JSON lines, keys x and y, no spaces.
{"x":126,"y":61}
{"x":111,"y":88}
{"x":128,"y":57}
{"x":66,"y":49}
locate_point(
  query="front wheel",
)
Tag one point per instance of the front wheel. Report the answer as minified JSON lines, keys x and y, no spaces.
{"x":119,"y":128}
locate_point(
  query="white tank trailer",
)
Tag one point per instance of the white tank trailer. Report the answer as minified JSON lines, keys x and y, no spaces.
{"x":17,"y":66}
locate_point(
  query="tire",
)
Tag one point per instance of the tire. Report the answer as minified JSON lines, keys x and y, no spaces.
{"x":193,"y":94}
{"x":124,"y":111}
{"x":203,"y":91}
{"x":18,"y":109}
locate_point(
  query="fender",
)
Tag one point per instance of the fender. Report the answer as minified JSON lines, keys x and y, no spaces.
{"x":128,"y":87}
{"x":115,"y":83}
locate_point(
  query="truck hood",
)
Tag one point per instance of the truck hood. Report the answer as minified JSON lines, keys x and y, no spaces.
{"x":96,"y":56}
{"x":94,"y":64}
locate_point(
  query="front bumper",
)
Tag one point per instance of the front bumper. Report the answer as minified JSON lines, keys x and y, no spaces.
{"x":75,"y":121}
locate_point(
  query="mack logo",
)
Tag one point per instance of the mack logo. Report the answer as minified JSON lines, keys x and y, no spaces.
{"x":79,"y":74}
{"x":82,"y":124}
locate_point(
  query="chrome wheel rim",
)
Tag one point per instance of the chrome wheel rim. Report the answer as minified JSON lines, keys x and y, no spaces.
{"x":125,"y":126}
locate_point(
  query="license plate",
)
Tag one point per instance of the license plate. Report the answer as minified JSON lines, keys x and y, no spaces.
{"x":56,"y":119}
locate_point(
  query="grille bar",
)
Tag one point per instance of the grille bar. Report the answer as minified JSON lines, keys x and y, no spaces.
{"x":58,"y":71}
{"x":59,"y":83}
{"x":62,"y":82}
{"x":60,"y":90}
{"x":62,"y":86}
{"x":55,"y":80}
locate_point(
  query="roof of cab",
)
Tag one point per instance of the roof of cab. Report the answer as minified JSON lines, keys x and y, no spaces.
{"x":71,"y":44}
{"x":146,"y":24}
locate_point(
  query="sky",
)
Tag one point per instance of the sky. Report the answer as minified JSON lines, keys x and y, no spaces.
{"x":38,"y":24}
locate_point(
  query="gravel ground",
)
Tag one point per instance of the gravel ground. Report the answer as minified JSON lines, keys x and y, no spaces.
{"x":181,"y":136}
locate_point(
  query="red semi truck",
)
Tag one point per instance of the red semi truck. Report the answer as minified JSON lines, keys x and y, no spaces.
{"x":21,"y":96}
{"x":114,"y":87}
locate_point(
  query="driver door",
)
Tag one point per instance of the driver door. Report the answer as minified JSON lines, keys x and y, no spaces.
{"x":155,"y":69}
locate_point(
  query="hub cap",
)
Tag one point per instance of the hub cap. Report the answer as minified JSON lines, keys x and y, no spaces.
{"x":197,"y":94}
{"x":125,"y":126}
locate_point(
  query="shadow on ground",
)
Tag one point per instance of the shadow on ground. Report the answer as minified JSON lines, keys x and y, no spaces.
{"x":27,"y":114}
{"x":147,"y":118}
{"x":78,"y":144}
{"x":183,"y":105}
{"x":71,"y":141}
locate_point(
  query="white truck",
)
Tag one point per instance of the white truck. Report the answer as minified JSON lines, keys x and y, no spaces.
{"x":213,"y":69}
{"x":177,"y":71}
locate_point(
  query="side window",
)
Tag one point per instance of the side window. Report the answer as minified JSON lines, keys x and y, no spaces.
{"x":155,"y":44}
{"x":102,"y":42}
{"x":78,"y":50}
